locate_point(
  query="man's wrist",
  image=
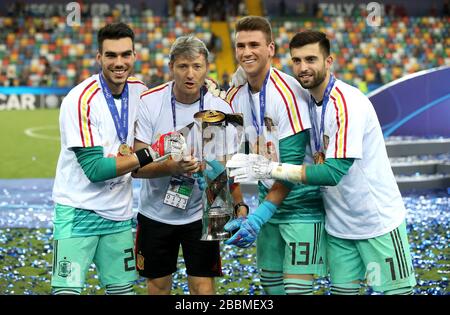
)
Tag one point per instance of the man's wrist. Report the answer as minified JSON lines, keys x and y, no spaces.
{"x":272,"y":167}
{"x":241,"y":209}
{"x":169,"y":166}
{"x":288,"y":172}
{"x":144,"y":156}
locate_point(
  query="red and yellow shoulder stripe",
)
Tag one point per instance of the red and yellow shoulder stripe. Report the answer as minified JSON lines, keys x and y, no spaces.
{"x":340,"y":105}
{"x":231,"y":93}
{"x":289,"y":100}
{"x":84,"y":110}
{"x":155,"y":89}
{"x":134,"y":80}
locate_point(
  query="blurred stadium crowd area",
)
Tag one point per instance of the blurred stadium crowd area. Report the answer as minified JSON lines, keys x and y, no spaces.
{"x":368,"y":56}
{"x":37,"y":52}
{"x":41,"y":49}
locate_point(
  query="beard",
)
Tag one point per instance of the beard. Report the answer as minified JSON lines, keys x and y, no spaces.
{"x":318,"y":78}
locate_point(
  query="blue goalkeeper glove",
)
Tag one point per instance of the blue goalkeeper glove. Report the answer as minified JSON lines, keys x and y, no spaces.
{"x":200,"y":180}
{"x":216,"y":168}
{"x":249,"y":226}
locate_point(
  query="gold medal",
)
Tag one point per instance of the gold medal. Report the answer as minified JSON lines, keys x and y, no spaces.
{"x":210,"y":116}
{"x":319,"y":158}
{"x":125,"y":149}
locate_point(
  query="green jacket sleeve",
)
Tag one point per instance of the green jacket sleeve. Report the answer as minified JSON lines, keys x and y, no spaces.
{"x":96,"y":167}
{"x":292,"y":150}
{"x":328,"y":174}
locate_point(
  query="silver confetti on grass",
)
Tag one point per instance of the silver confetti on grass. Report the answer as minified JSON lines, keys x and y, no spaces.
{"x":428,"y":215}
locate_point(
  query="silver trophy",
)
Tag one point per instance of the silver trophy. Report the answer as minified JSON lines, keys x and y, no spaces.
{"x":217,"y":205}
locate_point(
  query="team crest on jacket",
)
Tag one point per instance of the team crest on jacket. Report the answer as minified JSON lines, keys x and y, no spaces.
{"x":326,"y":141}
{"x":268,"y":122}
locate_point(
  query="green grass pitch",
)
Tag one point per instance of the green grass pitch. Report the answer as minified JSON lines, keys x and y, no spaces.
{"x":29,"y":149}
{"x":30,"y":143}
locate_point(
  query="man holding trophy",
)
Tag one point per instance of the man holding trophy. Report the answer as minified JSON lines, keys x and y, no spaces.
{"x":171,"y":205}
{"x":288,"y":224}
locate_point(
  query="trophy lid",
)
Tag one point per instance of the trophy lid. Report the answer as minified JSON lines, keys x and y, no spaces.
{"x":210,"y":116}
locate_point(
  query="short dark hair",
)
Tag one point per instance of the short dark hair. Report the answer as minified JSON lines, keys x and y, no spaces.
{"x":114,"y":31}
{"x":255,"y":23}
{"x":188,"y":46}
{"x":311,"y":37}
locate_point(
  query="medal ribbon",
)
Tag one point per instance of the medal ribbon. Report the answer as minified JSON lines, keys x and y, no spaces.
{"x":262,"y":105}
{"x":318,"y":133}
{"x":172,"y":101}
{"x":120,"y":121}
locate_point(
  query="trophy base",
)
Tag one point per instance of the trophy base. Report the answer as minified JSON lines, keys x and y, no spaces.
{"x":213,"y":230}
{"x":216,"y":236}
